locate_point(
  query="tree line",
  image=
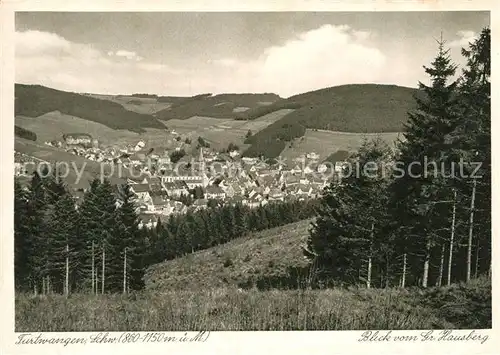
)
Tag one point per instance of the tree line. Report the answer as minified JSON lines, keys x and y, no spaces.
{"x":96,"y":246}
{"x":429,"y":224}
{"x":203,"y":229}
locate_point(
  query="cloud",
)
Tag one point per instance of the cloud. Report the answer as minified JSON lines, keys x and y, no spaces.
{"x":322,"y":57}
{"x":49,"y":59}
{"x":326,"y":56}
{"x":126,"y":54}
{"x":226,"y":62}
{"x":464,"y":38}
{"x":362,"y":35}
{"x":41,"y":43}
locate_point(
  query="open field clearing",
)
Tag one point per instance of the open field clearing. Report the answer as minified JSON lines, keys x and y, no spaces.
{"x":78,"y":166}
{"x":53,"y":125}
{"x":221,"y":131}
{"x":264,"y":121}
{"x":460,"y":306}
{"x":325,"y":142}
{"x":261,"y":259}
{"x":136,"y":104}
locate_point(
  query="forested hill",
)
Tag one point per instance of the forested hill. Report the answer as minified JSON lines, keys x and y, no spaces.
{"x":36,"y":100}
{"x":217,"y":106}
{"x":363,"y":108}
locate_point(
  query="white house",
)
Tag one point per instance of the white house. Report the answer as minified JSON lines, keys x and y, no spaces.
{"x":148,"y":221}
{"x":214,"y":192}
{"x":234,"y":153}
{"x":312,"y":156}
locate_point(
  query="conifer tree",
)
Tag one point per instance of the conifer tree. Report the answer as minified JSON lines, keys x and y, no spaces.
{"x":66,"y":244}
{"x":346,"y":237}
{"x":471,"y":141}
{"x":88,"y":230}
{"x":23,"y":248}
{"x":124,"y":241}
{"x":38,"y":209}
{"x":419,"y":191}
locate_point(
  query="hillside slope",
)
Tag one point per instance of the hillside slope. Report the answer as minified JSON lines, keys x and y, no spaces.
{"x":217,"y":106}
{"x":36,"y":100}
{"x":76,"y":171}
{"x":148,"y":105}
{"x":262,"y":259}
{"x":366,"y":108}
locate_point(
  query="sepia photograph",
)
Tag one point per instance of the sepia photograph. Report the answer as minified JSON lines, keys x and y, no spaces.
{"x":252,"y":171}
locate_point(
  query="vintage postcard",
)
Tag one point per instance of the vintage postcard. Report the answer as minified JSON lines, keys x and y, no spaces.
{"x":314,"y":177}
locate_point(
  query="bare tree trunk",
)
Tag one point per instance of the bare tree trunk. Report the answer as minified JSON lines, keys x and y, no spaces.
{"x":125,"y":271}
{"x":103,"y":275}
{"x":387,"y":271}
{"x":369,"y":271}
{"x":66,"y":281}
{"x":477,"y":258}
{"x":471,"y":227}
{"x":44,"y":289}
{"x":93,"y":271}
{"x":452,"y":236}
{"x":403,"y":279}
{"x":441,"y":267}
{"x":96,"y":280}
{"x":425,"y":275}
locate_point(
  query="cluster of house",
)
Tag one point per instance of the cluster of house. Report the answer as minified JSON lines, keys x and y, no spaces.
{"x":164,"y":190}
{"x":253,"y":184}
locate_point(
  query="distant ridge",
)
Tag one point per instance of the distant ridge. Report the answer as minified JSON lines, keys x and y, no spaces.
{"x":217,"y":106}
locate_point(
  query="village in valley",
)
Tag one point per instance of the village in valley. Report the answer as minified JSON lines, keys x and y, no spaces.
{"x":240,"y":171}
{"x":169,"y":182}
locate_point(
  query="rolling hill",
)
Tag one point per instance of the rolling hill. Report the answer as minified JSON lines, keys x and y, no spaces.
{"x":36,"y":100}
{"x":261,"y":259}
{"x":77,"y":171}
{"x":216,"y":106}
{"x":141,"y":103}
{"x":360,"y":108}
{"x":275,"y":123}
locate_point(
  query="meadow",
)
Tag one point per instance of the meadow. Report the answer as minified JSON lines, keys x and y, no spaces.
{"x":325,"y":142}
{"x":459,"y":306}
{"x":263,"y":259}
{"x":142,"y":105}
{"x":221,"y":131}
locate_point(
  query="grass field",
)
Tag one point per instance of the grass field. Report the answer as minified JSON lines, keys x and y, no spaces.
{"x":460,"y":306}
{"x":54,"y":124}
{"x":262,"y":259}
{"x":219,"y":131}
{"x":326,"y":142}
{"x":88,"y":169}
{"x":37,"y":100}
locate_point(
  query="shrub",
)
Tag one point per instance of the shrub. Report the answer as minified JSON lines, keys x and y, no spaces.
{"x":228,"y":262}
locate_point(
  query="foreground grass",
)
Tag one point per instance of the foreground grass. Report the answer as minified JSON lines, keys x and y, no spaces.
{"x":230,"y":309}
